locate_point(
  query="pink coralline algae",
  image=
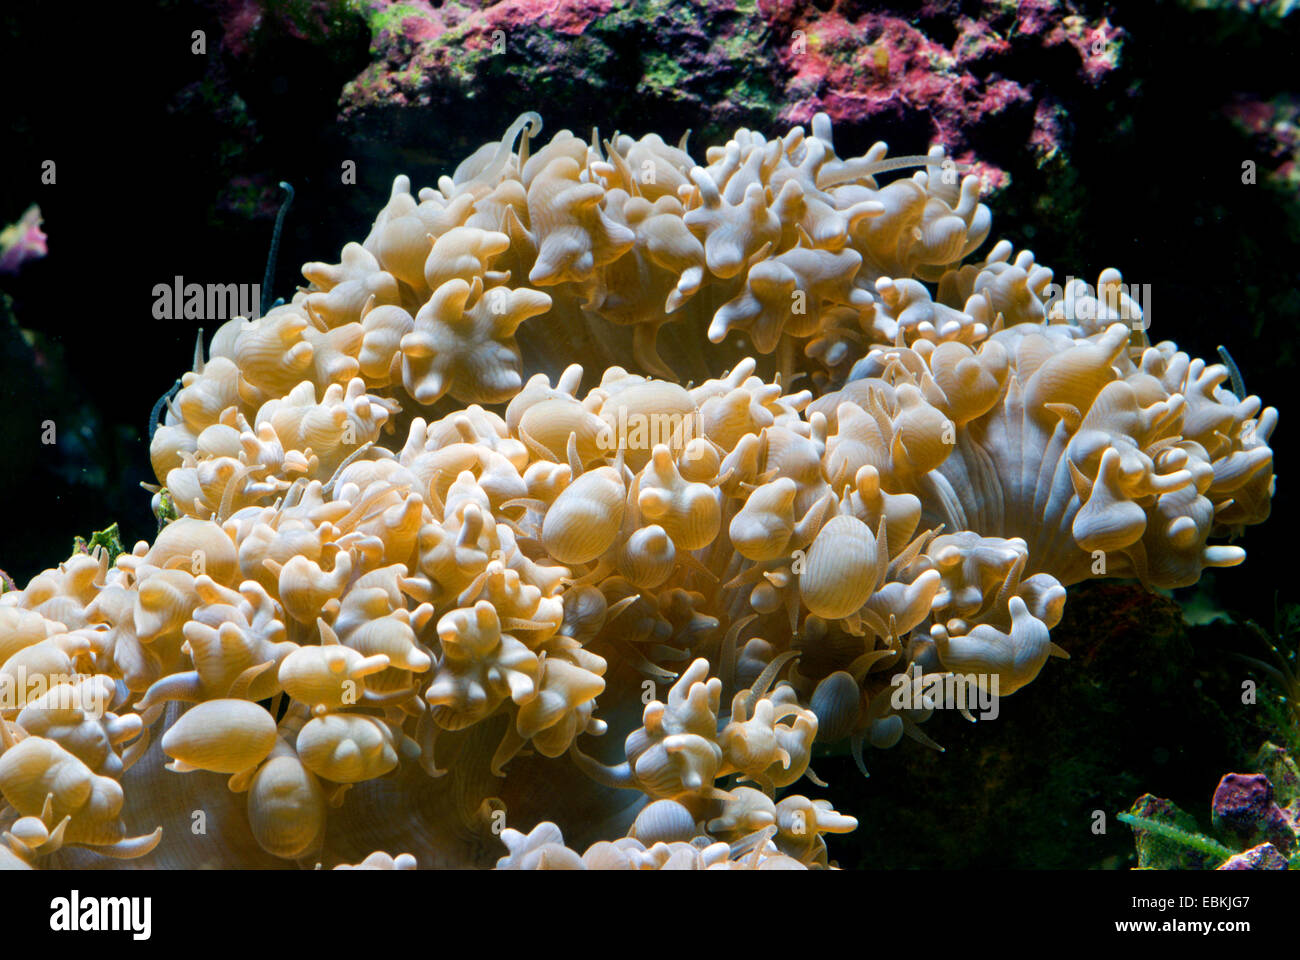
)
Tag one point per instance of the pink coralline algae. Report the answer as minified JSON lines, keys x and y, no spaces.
{"x":22,"y":241}
{"x":858,"y":67}
{"x":309,"y":20}
{"x":948,"y":70}
{"x":1275,"y":125}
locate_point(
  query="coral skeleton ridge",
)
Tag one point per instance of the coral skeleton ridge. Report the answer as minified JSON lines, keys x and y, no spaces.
{"x":391,"y":626}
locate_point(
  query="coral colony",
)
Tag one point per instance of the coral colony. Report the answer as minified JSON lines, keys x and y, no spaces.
{"x":386,"y":625}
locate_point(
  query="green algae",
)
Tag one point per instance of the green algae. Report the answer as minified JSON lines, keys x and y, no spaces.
{"x":1167,"y":838}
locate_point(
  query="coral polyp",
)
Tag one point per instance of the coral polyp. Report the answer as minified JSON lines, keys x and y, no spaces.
{"x":392,"y":626}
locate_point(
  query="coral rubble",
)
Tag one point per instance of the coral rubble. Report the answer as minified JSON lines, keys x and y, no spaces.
{"x":1257,"y":833}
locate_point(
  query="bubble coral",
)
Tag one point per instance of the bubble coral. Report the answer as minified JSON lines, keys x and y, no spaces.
{"x":387,"y":613}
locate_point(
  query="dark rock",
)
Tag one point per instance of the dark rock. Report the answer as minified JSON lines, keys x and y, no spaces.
{"x":1282,"y":772}
{"x":1263,"y":857}
{"x":1244,"y":810}
{"x":1162,"y":853}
